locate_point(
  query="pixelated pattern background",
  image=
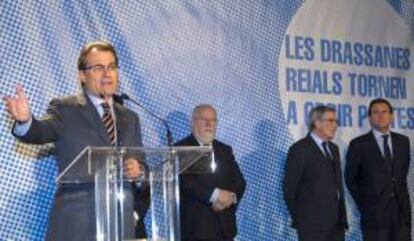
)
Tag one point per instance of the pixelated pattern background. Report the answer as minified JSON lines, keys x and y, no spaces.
{"x":173,"y":55}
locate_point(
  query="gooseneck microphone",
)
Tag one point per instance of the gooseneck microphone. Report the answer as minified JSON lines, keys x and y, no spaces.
{"x":120,"y":99}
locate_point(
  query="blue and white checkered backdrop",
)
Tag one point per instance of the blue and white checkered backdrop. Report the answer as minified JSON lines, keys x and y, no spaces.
{"x":174,"y":55}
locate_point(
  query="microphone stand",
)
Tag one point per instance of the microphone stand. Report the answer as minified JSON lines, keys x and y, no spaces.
{"x":123,"y":96}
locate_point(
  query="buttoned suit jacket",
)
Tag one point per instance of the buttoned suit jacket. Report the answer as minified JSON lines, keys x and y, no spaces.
{"x":311,"y":187}
{"x":373,"y":182}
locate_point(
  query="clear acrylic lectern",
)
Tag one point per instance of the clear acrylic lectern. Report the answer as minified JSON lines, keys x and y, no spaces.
{"x":103,"y":168}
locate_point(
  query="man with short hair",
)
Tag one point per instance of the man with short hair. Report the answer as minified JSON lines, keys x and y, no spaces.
{"x":376,"y":176}
{"x":209,"y":201}
{"x":91,"y":118}
{"x":313,"y":184}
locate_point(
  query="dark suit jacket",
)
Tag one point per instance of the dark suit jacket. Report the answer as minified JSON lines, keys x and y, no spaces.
{"x":198,"y":221}
{"x":73,"y":123}
{"x":373,"y":182}
{"x":311,"y":187}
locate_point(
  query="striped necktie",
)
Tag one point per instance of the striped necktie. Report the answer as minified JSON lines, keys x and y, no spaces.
{"x":108,"y":122}
{"x":325,"y":149}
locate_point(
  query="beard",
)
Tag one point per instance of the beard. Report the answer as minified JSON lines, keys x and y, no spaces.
{"x":206,"y":138}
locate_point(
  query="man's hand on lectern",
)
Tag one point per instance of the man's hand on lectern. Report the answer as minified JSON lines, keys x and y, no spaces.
{"x":133,"y":169}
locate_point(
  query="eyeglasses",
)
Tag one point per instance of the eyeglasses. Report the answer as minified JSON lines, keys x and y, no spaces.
{"x":331,"y":121}
{"x":205,"y":120}
{"x":100,"y":69}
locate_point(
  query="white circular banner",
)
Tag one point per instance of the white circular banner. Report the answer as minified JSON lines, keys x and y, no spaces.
{"x":357,"y":50}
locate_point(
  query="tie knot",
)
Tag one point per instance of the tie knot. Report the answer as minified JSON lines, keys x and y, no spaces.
{"x":105,"y":106}
{"x":324,"y":144}
{"x":385,"y":137}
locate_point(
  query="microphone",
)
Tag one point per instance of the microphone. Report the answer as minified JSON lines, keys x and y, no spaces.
{"x":120,"y":99}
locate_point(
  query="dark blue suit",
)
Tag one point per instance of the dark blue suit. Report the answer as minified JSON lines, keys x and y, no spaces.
{"x":379,"y":187}
{"x":313,"y":191}
{"x":73,"y":123}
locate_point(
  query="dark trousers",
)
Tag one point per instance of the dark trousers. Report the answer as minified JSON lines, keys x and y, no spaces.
{"x":72,"y":217}
{"x":396,"y":231}
{"x":219,"y":236}
{"x":335,"y":234}
{"x":219,"y":239}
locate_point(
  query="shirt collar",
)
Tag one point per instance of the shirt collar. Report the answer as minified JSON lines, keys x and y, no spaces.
{"x":317,"y":139}
{"x":97,"y":101}
{"x":379,"y":134}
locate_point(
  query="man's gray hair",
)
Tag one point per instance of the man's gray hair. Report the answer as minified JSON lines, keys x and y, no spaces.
{"x":317,"y":113}
{"x":201,"y":107}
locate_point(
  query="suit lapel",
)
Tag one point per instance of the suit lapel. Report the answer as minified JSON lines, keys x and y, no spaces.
{"x":334,"y":153}
{"x":121,"y":123}
{"x":217,"y":153}
{"x":90,"y":114}
{"x":376,"y":152}
{"x":337,"y":165}
{"x":336,"y":158}
{"x":193,"y":141}
{"x":316,"y":149}
{"x":334,"y":162}
{"x":396,"y":150}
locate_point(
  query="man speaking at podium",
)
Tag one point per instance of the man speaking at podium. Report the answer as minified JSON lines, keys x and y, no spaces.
{"x":91,"y":118}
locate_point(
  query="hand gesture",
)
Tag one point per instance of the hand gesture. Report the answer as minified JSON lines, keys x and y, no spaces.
{"x":18,"y":107}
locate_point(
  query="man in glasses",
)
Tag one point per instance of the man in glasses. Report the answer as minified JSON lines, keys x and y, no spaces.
{"x":376,"y":176}
{"x":209,"y":201}
{"x":91,"y":118}
{"x":313,"y":182}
